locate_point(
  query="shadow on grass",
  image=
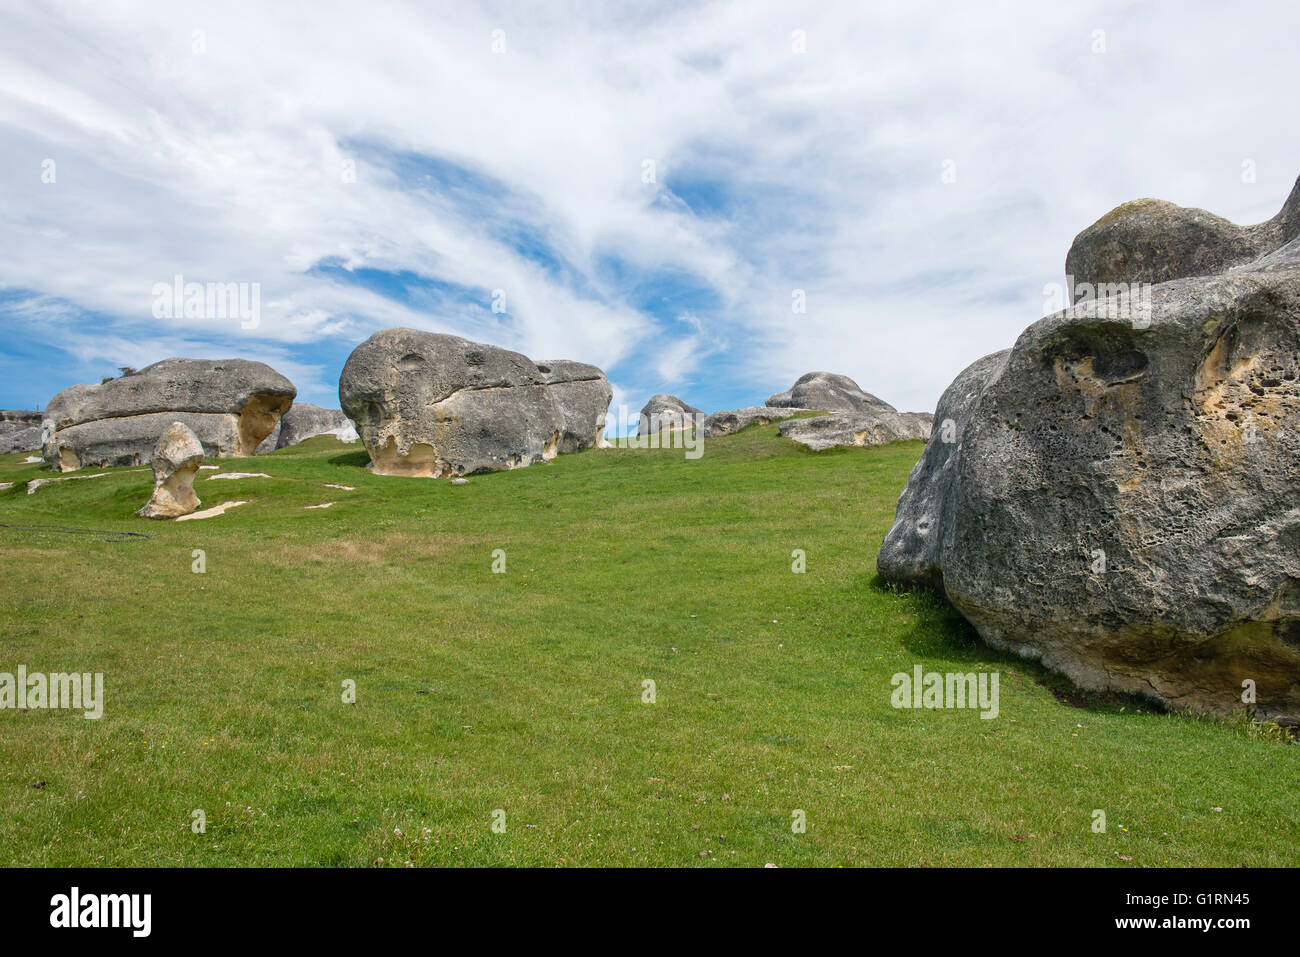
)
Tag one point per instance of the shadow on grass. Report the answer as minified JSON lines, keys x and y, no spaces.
{"x":941,"y":631}
{"x":359,"y":459}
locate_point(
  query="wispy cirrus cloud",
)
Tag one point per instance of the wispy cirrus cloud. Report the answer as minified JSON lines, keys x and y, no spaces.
{"x":643,"y":189}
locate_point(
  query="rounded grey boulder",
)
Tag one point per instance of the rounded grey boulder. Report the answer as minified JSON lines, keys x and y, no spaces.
{"x":1122,"y":501}
{"x":582,"y":394}
{"x":912,"y":549}
{"x":1152,"y":241}
{"x":828,"y":392}
{"x":305,"y":421}
{"x":428,"y":404}
{"x":666,"y":412}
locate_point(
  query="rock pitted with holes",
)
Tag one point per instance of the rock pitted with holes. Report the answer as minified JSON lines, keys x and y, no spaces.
{"x":176,"y":460}
{"x":427,"y":404}
{"x":1119,"y":496}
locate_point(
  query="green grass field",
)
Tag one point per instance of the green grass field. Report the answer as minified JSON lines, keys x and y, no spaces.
{"x":522,"y":691}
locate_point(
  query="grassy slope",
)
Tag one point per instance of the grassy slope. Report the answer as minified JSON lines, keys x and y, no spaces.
{"x":522,"y":691}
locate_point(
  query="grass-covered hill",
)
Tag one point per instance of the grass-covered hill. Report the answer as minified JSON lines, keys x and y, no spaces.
{"x":522,"y":691}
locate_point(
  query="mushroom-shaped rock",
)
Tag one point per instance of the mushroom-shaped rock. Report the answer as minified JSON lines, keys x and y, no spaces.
{"x":428,"y":404}
{"x":667,"y":413}
{"x":176,"y":460}
{"x":828,"y":392}
{"x":232,"y":405}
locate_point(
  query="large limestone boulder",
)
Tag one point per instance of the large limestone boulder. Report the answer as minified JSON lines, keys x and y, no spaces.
{"x":1122,"y":501}
{"x":20,"y":430}
{"x":305,"y":421}
{"x":733,"y":420}
{"x":1152,"y":241}
{"x":857,"y":428}
{"x":665,"y":413}
{"x":427,"y":404}
{"x":232,"y":405}
{"x":911,"y":552}
{"x":582,"y":394}
{"x":176,"y":460}
{"x":828,"y":392}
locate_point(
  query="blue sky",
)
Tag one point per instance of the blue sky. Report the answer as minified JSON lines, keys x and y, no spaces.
{"x":643,"y":189}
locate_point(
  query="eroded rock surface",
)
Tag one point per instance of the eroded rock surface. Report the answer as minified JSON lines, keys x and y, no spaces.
{"x":20,"y":430}
{"x":1123,"y":498}
{"x":305,"y":421}
{"x":231,"y":405}
{"x":911,"y":552}
{"x":427,"y":404}
{"x":857,"y":428}
{"x":1152,"y":241}
{"x":582,"y":394}
{"x":665,"y":413}
{"x":176,"y":460}
{"x":733,"y":420}
{"x":828,"y":392}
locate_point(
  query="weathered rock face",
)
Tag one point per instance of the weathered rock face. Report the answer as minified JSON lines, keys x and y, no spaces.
{"x":828,"y":392}
{"x":911,"y":552}
{"x":230,"y":404}
{"x":1123,"y":501}
{"x":857,"y":428}
{"x":176,"y":460}
{"x":1151,"y":241}
{"x":666,"y":412}
{"x":304,"y":421}
{"x":582,"y":394}
{"x":427,"y":404}
{"x":733,"y":420}
{"x":20,"y":430}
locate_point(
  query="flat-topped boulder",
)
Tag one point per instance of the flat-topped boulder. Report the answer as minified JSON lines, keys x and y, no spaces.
{"x":828,"y":392}
{"x":733,"y":420}
{"x":857,"y":428}
{"x":666,"y":412}
{"x":231,"y":405}
{"x":1118,"y":496}
{"x":429,"y":404}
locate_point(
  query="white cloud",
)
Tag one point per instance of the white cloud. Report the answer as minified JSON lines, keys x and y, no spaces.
{"x":226,"y":165}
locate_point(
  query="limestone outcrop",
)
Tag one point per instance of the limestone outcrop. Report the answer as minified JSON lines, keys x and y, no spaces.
{"x":664,"y":413}
{"x":231,"y":405}
{"x":733,"y":420}
{"x":828,"y":392}
{"x":1118,"y":496}
{"x":428,"y":404}
{"x":176,"y":460}
{"x":857,"y":428}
